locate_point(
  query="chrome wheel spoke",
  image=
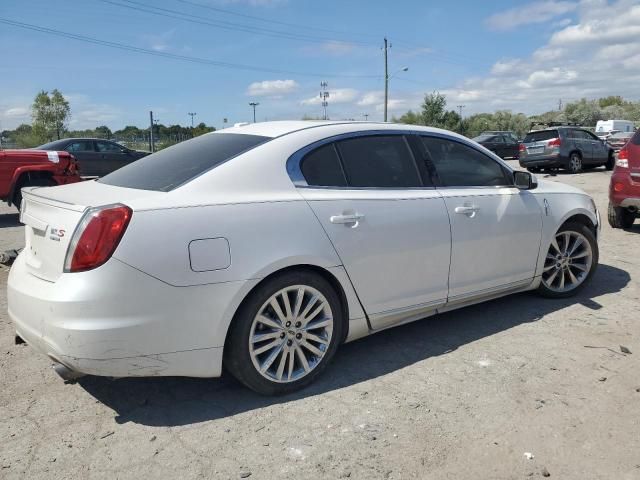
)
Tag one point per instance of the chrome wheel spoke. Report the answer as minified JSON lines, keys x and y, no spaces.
{"x":291,"y":333}
{"x":561,"y":273}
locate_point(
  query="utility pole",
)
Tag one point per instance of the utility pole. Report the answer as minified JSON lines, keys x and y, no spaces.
{"x":151,"y":142}
{"x":254,"y":105}
{"x":324,"y":94}
{"x":192,"y":114}
{"x":386,"y":79}
{"x":366,"y":116}
{"x":460,"y":107}
{"x":560,"y":105}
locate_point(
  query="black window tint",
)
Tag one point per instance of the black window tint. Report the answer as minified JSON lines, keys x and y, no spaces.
{"x":108,"y":147}
{"x":322,"y":168}
{"x":540,"y":136}
{"x":458,"y":165}
{"x":636,"y":138}
{"x":176,"y":165}
{"x":589,"y":135}
{"x":81,"y":146}
{"x":378,"y":161}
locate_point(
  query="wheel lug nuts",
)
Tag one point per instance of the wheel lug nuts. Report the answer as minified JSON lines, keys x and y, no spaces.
{"x":289,"y":343}
{"x":298,"y":336}
{"x":282,"y":335}
{"x":298,"y":324}
{"x":288,"y":324}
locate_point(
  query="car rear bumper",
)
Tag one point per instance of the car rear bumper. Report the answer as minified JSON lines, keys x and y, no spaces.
{"x":624,"y":189}
{"x":117,"y":321}
{"x":547,"y":161}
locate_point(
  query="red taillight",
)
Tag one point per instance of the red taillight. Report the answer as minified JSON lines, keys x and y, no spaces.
{"x":554,"y":142}
{"x":97,"y":237}
{"x":522,"y":148}
{"x":623,"y":154}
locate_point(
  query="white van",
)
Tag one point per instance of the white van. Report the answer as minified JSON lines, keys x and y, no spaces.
{"x":608,"y":126}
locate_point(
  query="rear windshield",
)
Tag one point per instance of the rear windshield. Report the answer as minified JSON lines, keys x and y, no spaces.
{"x":174,"y":166}
{"x":483,"y":138}
{"x":540,"y":136}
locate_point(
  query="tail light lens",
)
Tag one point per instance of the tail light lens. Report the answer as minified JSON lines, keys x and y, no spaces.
{"x":623,"y":158}
{"x":554,"y":142}
{"x":522,"y":148}
{"x":96,"y":237}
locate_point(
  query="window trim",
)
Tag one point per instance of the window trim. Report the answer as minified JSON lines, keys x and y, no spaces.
{"x":293,"y":164}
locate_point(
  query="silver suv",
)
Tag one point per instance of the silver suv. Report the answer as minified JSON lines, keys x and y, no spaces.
{"x":571,"y":148}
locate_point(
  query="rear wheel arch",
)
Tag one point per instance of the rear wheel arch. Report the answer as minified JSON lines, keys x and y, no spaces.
{"x":302,"y":268}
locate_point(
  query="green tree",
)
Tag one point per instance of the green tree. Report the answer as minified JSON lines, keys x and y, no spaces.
{"x":433,"y":109}
{"x":50,"y":114}
{"x":103,"y":132}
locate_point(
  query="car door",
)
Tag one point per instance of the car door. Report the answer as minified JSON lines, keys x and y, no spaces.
{"x":114,"y":156}
{"x":495,"y":227}
{"x":599,"y":148}
{"x":585,"y":146}
{"x":389,"y":228}
{"x":511,"y":147}
{"x":88,"y":159}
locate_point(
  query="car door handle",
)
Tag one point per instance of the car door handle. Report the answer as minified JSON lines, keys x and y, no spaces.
{"x":468,"y":210}
{"x":346,"y":218}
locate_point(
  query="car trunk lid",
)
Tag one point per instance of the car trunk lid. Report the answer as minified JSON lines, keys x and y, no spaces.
{"x":51,"y":215}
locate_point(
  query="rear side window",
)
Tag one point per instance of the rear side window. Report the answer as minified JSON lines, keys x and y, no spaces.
{"x":169,"y":168}
{"x":81,"y":146}
{"x":636,"y":138}
{"x":379,"y":161}
{"x":458,"y":165}
{"x":540,"y":136}
{"x":322,"y":168}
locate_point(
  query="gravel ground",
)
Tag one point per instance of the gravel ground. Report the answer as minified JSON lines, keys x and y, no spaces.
{"x":467,"y":394}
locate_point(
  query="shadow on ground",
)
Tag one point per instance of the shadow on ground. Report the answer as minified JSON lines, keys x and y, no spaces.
{"x":9,"y":220}
{"x":180,"y":401}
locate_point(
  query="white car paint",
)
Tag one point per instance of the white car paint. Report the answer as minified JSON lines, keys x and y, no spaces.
{"x":148,"y":311}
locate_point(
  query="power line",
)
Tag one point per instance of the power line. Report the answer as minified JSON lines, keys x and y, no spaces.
{"x":237,"y":27}
{"x":173,"y":56}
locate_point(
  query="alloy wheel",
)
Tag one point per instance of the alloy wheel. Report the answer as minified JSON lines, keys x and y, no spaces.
{"x":575,"y":163}
{"x":291,"y":333}
{"x":568,"y":262}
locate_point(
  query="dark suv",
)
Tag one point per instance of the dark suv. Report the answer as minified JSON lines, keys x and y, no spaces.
{"x":565,"y":147}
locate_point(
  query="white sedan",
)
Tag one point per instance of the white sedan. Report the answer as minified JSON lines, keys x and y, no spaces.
{"x":264,"y":247}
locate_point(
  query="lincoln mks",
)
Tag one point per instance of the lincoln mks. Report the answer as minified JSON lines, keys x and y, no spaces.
{"x":264,"y":247}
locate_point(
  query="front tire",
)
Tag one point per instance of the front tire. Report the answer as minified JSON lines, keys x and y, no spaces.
{"x":285,"y":333}
{"x":570,"y":262}
{"x":620,"y":217}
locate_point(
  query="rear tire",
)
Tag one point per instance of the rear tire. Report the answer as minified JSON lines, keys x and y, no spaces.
{"x":620,"y":217}
{"x":611,"y":162}
{"x":533,"y":169}
{"x":274,"y":363}
{"x":34,"y":182}
{"x":575,"y":163}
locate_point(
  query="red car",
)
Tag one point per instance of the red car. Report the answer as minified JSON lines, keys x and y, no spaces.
{"x":624,"y":189}
{"x":29,"y":168}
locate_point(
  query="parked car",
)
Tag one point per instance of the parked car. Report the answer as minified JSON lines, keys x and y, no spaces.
{"x":624,"y":187}
{"x":264,"y":247}
{"x":28,"y":168}
{"x":571,"y":148}
{"x":618,"y":140}
{"x":96,"y":157}
{"x":502,"y":144}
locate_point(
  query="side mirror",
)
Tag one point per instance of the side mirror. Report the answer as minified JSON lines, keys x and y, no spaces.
{"x":524,"y":180}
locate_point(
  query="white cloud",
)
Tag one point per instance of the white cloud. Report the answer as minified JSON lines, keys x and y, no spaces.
{"x":272,"y":88}
{"x":371,"y":98}
{"x":597,"y":55}
{"x":336,"y":96}
{"x":19,"y":112}
{"x":336,"y":47}
{"x":537,"y":12}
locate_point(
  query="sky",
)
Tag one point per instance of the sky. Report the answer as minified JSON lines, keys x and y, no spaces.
{"x":115,"y":60}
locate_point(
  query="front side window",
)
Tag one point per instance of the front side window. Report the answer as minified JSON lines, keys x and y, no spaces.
{"x":458,"y":165}
{"x":108,"y":147}
{"x":378,"y":161}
